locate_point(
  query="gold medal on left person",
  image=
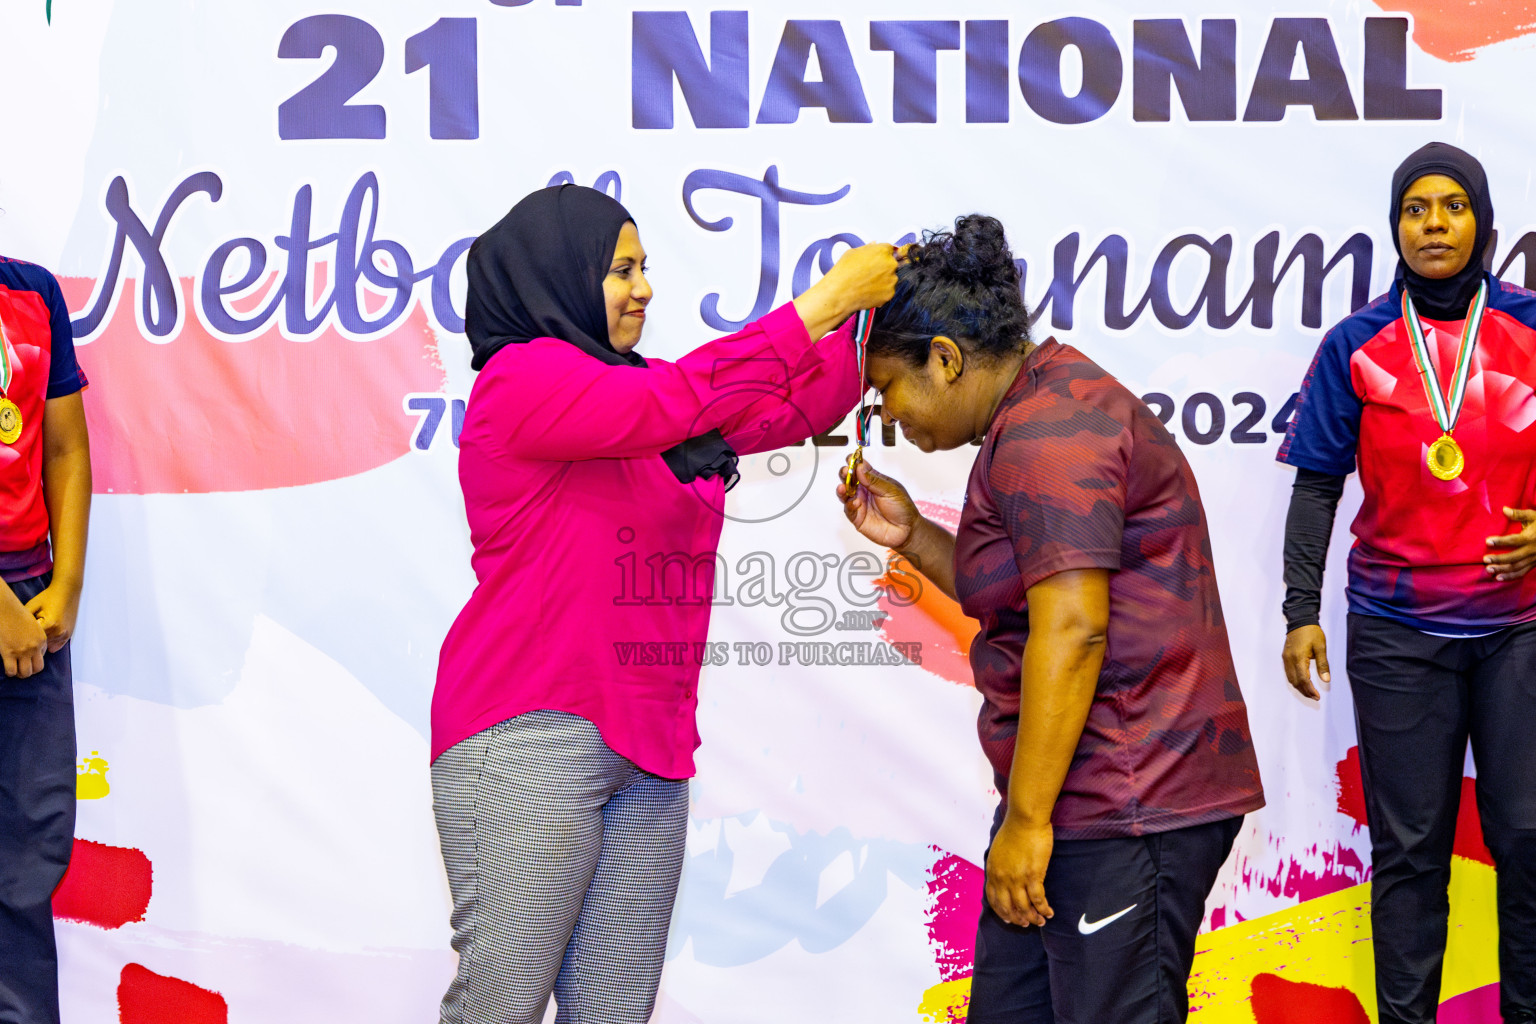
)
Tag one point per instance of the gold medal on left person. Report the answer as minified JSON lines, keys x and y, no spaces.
{"x":10,"y":422}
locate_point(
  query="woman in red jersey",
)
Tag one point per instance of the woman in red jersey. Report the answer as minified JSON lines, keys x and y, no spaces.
{"x":45,"y":504}
{"x":1111,"y":710}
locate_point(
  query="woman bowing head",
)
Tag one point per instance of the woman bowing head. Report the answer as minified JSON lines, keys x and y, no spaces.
{"x":1111,"y":712}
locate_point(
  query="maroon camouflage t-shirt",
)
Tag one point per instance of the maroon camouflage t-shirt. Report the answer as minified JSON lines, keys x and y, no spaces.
{"x":1077,"y":473}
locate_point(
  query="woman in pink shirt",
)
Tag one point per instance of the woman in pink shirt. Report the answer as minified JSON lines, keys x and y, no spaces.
{"x":563,"y":717}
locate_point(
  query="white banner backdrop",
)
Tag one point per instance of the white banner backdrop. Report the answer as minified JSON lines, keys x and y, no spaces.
{"x":259,"y":213}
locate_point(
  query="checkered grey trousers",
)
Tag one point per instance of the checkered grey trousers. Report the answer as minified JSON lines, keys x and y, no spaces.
{"x":563,"y":859}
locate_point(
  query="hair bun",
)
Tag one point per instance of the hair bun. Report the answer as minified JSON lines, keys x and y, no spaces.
{"x":974,"y":254}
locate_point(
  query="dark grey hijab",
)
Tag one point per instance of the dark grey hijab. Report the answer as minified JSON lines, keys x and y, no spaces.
{"x":538,"y":273}
{"x":1448,"y":298}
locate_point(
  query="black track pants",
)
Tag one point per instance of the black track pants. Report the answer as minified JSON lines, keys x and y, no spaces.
{"x":1418,"y":700}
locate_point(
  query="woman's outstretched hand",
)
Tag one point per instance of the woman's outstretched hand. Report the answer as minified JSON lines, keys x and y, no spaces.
{"x":1303,"y":646}
{"x":862,"y":278}
{"x":879,"y":507}
{"x":1519,"y":553}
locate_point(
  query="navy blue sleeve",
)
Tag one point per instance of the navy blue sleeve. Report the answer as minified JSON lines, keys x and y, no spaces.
{"x":64,"y":374}
{"x":1512,"y":300}
{"x":1325,"y":432}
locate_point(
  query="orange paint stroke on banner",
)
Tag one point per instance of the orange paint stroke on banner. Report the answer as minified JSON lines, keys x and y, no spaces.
{"x":934,"y":619}
{"x":1453,"y":30}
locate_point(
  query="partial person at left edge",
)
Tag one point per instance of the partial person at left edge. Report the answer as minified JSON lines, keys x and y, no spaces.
{"x":45,"y":496}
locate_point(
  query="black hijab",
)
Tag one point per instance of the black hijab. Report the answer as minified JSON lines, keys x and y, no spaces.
{"x":1448,"y":298}
{"x":538,"y":273}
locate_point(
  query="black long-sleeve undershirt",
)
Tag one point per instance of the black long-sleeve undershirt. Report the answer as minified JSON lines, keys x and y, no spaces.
{"x":1308,"y":527}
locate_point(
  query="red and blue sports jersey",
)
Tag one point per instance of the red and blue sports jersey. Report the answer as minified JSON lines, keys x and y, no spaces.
{"x":1420,"y":541}
{"x":1077,"y":473}
{"x":41,"y":348}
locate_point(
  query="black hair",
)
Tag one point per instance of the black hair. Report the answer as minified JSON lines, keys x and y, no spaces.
{"x":962,"y":284}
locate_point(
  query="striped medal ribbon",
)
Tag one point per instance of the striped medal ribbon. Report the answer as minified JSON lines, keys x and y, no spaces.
{"x":861,"y":327}
{"x":10,"y":414}
{"x":1445,"y":457}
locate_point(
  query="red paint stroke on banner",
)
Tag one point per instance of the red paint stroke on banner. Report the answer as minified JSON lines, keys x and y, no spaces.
{"x":934,"y":619}
{"x":144,"y":997}
{"x":107,"y":886}
{"x":1277,"y":1001}
{"x":198,"y":414}
{"x":1469,"y":825}
{"x":954,"y":909}
{"x":1346,"y":778}
{"x":1454,"y":30}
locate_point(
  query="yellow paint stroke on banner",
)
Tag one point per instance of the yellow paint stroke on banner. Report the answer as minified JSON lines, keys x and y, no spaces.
{"x":1326,"y":941}
{"x":946,"y":1001}
{"x":91,"y":778}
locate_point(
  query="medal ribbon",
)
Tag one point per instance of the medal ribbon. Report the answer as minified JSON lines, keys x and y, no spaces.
{"x":861,"y":328}
{"x":1447,"y":408}
{"x":5,"y":362}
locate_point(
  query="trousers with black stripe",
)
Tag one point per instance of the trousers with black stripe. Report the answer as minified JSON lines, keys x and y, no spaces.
{"x":563,"y":858}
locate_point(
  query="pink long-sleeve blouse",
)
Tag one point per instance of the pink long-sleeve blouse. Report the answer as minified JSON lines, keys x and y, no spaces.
{"x":567,"y":497}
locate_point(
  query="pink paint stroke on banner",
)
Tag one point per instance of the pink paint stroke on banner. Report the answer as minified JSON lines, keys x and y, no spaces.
{"x":198,"y":414}
{"x":1479,"y":1006}
{"x":1337,"y":868}
{"x":954,"y":910}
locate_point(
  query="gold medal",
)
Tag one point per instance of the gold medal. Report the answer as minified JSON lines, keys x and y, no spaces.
{"x":10,"y":421}
{"x":862,"y":325}
{"x":1445,"y":458}
{"x":850,"y":475}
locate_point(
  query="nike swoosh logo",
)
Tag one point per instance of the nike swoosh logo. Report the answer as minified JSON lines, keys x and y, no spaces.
{"x":1088,"y":928}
